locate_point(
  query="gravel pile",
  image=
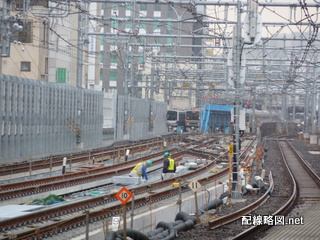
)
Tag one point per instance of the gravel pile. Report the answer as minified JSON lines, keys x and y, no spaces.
{"x":278,"y":198}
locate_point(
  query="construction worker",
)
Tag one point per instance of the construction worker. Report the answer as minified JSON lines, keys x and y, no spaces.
{"x":169,"y":167}
{"x":140,"y":170}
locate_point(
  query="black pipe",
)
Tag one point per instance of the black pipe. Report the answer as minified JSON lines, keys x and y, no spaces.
{"x":163,"y":231}
{"x":244,"y":190}
{"x":211,"y":205}
{"x":184,"y":226}
{"x":223,"y":195}
{"x":134,"y":234}
{"x":185,"y":216}
{"x":154,"y":232}
{"x":167,"y":226}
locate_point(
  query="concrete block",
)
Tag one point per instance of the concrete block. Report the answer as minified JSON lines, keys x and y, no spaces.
{"x":313,"y":139}
{"x":306,"y":135}
{"x":126,"y":180}
{"x":11,"y":211}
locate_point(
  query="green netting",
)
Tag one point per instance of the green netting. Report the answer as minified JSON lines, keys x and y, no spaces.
{"x":49,"y":200}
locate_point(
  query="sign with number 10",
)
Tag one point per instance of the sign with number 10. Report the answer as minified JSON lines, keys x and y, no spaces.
{"x":124,"y":195}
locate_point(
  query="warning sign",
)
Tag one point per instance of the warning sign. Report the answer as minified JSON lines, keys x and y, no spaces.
{"x":194,"y":185}
{"x":124,"y":195}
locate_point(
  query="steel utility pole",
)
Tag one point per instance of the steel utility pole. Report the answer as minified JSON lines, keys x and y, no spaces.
{"x":82,"y":41}
{"x":4,"y":31}
{"x":237,"y":66}
{"x":314,"y":101}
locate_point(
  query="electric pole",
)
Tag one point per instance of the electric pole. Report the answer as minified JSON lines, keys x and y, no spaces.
{"x":4,"y":31}
{"x":237,"y":66}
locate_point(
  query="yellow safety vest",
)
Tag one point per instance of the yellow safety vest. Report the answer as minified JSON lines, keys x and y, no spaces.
{"x":171,"y":164}
{"x":138,"y":168}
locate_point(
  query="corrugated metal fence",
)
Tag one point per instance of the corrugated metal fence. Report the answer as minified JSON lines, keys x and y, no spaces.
{"x":144,"y":118}
{"x":46,"y":118}
{"x":39,"y":118}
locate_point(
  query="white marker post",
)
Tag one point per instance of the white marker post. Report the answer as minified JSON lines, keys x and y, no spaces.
{"x":127,"y":154}
{"x":194,"y":186}
{"x":64,"y":164}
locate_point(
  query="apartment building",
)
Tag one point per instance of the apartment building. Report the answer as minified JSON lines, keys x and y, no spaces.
{"x":43,"y":42}
{"x":139,"y":46}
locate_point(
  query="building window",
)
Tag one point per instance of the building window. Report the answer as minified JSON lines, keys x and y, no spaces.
{"x":169,"y":27}
{"x":46,"y":65}
{"x":114,"y":10}
{"x":143,"y":7}
{"x":101,"y":75}
{"x":19,"y":4}
{"x":143,"y":10}
{"x":113,"y":60}
{"x":113,"y":47}
{"x":114,"y":26}
{"x":169,"y":40}
{"x":128,"y":27}
{"x":170,"y":12}
{"x":113,"y":57}
{"x":157,"y":7}
{"x":61,"y":75}
{"x":157,"y":29}
{"x":23,"y":36}
{"x":157,"y":14}
{"x":45,"y":31}
{"x":25,"y":66}
{"x":128,"y":11}
{"x":101,"y":56}
{"x":143,"y":28}
{"x":113,"y":75}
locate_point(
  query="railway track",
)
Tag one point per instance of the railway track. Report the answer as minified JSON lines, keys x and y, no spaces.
{"x":28,"y":188}
{"x":115,"y":151}
{"x":98,"y":155}
{"x":52,"y":221}
{"x":305,"y":188}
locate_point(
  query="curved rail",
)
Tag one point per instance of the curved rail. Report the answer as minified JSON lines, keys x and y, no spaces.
{"x":244,"y":211}
{"x":294,"y":197}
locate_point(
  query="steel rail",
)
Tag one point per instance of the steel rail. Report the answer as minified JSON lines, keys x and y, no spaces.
{"x":53,"y":161}
{"x":55,"y":179}
{"x":102,"y":153}
{"x":294,"y":197}
{"x":305,"y":165}
{"x":21,"y":189}
{"x":15,"y":190}
{"x":244,"y":211}
{"x":74,"y":207}
{"x":100,"y":200}
{"x":36,"y":217}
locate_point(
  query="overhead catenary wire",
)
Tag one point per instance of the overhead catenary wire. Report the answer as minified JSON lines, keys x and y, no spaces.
{"x":220,"y":30}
